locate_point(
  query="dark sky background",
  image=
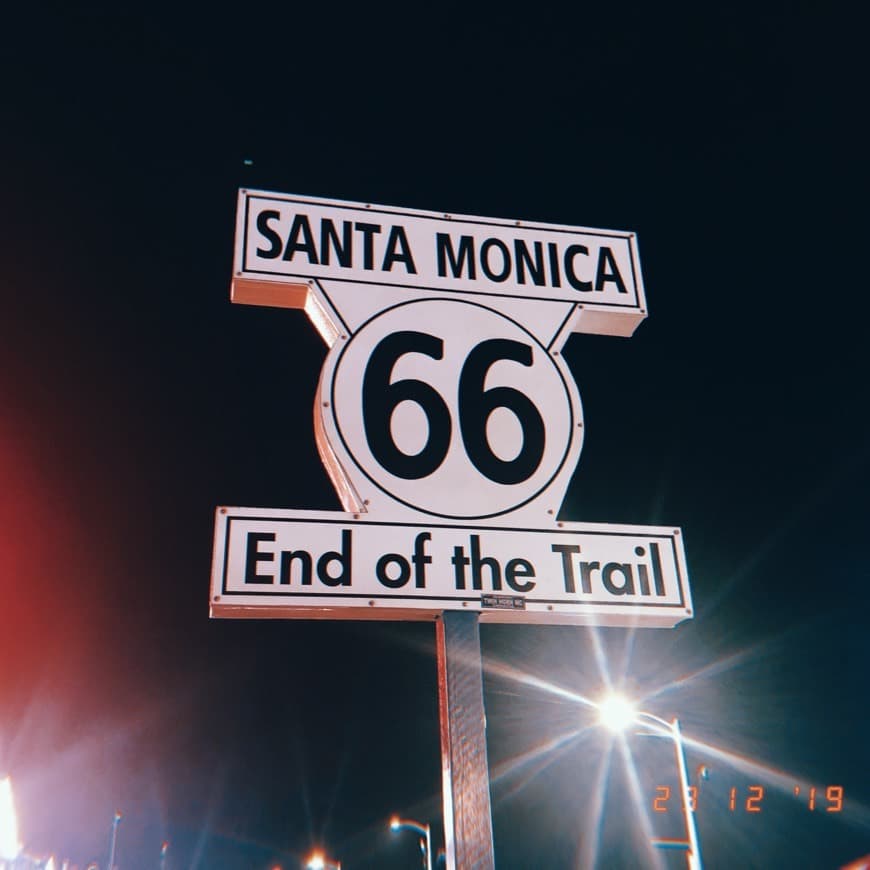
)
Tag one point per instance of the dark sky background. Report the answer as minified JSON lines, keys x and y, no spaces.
{"x":134,"y":399}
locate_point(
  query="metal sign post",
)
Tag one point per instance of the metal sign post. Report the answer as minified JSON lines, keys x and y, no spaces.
{"x":450,"y":426}
{"x":465,"y":773}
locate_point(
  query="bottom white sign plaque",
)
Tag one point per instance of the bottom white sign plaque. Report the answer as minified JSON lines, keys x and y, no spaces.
{"x":317,"y":564}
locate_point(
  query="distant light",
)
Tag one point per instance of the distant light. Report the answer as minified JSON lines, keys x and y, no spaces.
{"x":395,"y":824}
{"x":316,"y":862}
{"x":248,"y":162}
{"x":9,"y":845}
{"x":616,"y":713}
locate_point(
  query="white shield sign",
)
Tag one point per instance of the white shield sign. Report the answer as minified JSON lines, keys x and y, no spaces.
{"x":448,"y":421}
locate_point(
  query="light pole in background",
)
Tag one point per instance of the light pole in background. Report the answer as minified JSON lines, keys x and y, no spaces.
{"x":164,"y":848}
{"x":115,"y":822}
{"x":425,"y":832}
{"x":318,"y":861}
{"x":616,"y":714}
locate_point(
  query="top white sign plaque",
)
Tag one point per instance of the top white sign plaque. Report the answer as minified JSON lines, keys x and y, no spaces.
{"x":281,"y":237}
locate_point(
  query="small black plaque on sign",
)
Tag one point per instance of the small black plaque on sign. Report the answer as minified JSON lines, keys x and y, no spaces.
{"x":504,"y":602}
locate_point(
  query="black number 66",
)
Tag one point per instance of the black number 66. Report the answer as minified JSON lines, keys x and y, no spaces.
{"x":380,"y":398}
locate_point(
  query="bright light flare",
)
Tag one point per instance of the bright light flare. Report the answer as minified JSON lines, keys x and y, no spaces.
{"x":394,"y":823}
{"x":316,"y":861}
{"x":9,"y":845}
{"x":616,"y":713}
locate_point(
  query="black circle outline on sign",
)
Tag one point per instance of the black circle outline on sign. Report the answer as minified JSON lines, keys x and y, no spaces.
{"x":534,"y":495}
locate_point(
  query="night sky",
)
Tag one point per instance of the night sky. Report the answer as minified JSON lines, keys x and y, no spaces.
{"x":135,"y":399}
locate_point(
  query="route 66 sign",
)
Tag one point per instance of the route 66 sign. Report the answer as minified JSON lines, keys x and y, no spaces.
{"x":446,"y":416}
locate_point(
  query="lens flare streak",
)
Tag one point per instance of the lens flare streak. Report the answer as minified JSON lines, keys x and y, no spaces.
{"x":591,"y":844}
{"x":505,"y":671}
{"x":640,"y":808}
{"x":513,"y":765}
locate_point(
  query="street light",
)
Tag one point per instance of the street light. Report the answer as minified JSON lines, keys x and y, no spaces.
{"x":397,"y":824}
{"x":318,"y":861}
{"x":115,"y":822}
{"x":616,"y":713}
